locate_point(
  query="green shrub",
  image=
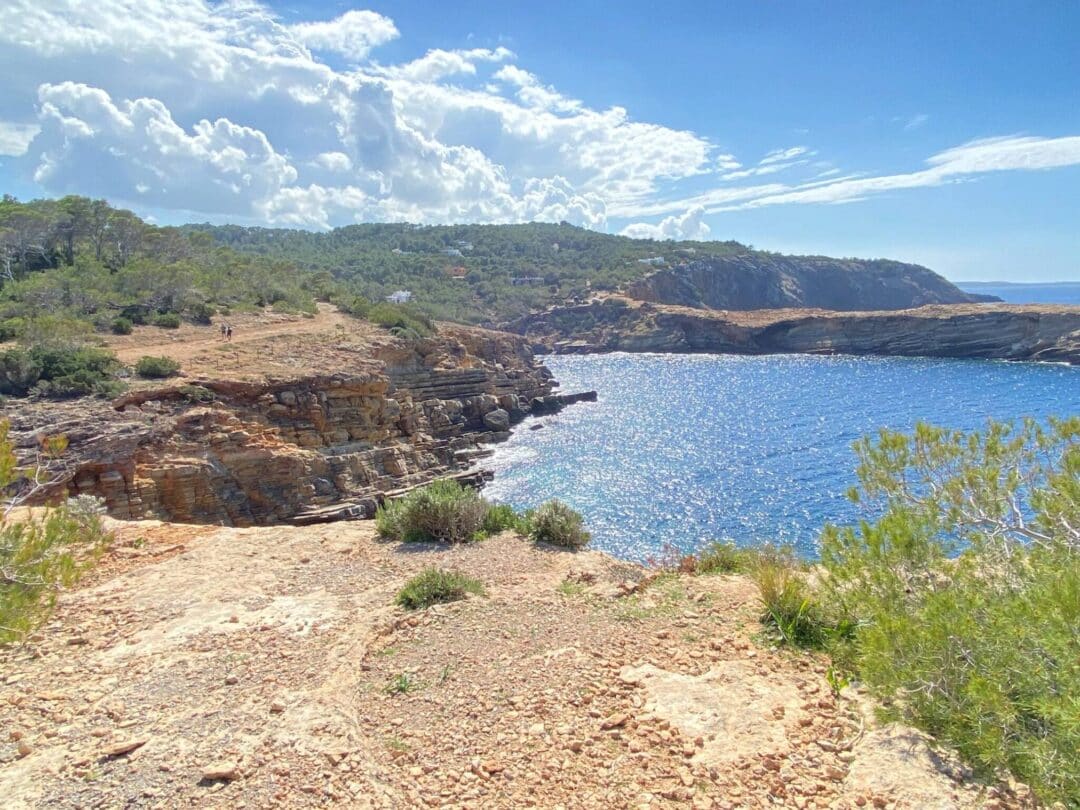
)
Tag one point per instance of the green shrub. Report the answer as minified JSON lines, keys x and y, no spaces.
{"x":443,"y":510}
{"x":57,"y":371}
{"x":356,"y":305}
{"x":167,"y":320}
{"x":402,"y":320}
{"x":122,"y":326}
{"x":723,"y":558}
{"x":295,"y":305}
{"x":201,"y":313}
{"x":432,"y":586}
{"x":80,"y":383}
{"x":197,"y":393}
{"x":502,"y":517}
{"x":964,"y":594}
{"x":109,"y":389}
{"x":790,"y":605}
{"x":12,"y":328}
{"x":156,"y":368}
{"x":41,"y":556}
{"x":137,"y":315}
{"x":556,"y":523}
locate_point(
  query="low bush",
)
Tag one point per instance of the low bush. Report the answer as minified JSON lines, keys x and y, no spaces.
{"x":443,"y":510}
{"x":197,"y":393}
{"x":723,"y":558}
{"x":156,"y":368}
{"x":402,"y":320}
{"x":791,"y":606}
{"x":167,"y":320}
{"x":41,"y":556}
{"x":502,"y":517}
{"x":56,"y":371}
{"x":136,"y":314}
{"x":432,"y":586}
{"x":963,"y":595}
{"x":122,"y":326}
{"x":356,"y":305}
{"x":556,"y":523}
{"x":12,"y":328}
{"x":201,"y":313}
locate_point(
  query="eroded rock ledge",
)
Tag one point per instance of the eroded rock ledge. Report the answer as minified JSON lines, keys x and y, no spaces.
{"x":370,"y":418}
{"x":992,"y":331}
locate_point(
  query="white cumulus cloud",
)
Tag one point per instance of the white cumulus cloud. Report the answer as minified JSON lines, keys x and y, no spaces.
{"x":16,"y":138}
{"x":353,"y":34}
{"x":90,"y":143}
{"x":226,"y":110}
{"x":687,"y":226}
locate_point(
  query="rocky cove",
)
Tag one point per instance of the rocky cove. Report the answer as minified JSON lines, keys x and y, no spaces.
{"x":324,"y":423}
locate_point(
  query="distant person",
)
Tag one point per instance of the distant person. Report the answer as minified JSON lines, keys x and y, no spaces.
{"x":224,"y":330}
{"x":228,"y":332}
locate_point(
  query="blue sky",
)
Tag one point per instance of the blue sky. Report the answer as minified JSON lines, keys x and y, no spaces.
{"x":942,"y":133}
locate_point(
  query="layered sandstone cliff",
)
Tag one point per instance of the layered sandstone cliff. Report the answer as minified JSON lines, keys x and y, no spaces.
{"x":361,"y":416}
{"x":773,"y":281}
{"x":995,"y":331}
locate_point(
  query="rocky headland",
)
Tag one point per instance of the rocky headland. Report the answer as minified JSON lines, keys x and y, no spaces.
{"x":989,"y":331}
{"x":775,"y":281}
{"x":302,"y":423}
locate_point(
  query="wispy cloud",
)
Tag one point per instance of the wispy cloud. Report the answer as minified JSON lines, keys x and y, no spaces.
{"x":784,"y":155}
{"x":960,"y":164}
{"x":915,"y":122}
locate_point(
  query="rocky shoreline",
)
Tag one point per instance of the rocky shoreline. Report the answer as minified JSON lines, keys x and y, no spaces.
{"x":364,"y":421}
{"x":324,"y":426}
{"x":987,"y":331}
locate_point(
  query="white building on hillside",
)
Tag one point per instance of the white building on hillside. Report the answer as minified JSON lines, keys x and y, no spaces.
{"x":399,"y":297}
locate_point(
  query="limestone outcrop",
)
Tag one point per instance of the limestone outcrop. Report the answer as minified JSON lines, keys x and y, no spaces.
{"x":993,"y":331}
{"x":267,"y":450}
{"x":773,"y":281}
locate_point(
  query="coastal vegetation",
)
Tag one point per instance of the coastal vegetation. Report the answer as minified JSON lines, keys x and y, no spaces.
{"x":156,"y":368}
{"x":58,"y":369}
{"x":467,"y":273}
{"x":556,"y":523}
{"x":84,"y":266}
{"x":957,"y":600}
{"x":446,"y":511}
{"x":443,"y":511}
{"x":100,"y":268}
{"x":44,"y":552}
{"x":433,"y":586}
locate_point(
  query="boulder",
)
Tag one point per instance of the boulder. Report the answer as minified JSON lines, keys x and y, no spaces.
{"x":497,"y":420}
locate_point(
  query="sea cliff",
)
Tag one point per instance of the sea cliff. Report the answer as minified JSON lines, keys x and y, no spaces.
{"x":362,"y":417}
{"x":990,"y":331}
{"x":774,"y":281}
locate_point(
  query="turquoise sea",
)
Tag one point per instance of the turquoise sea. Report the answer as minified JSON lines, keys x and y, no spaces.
{"x":681,"y":449}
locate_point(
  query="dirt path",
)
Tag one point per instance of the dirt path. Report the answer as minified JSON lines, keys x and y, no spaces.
{"x":270,"y":668}
{"x":189,"y":340}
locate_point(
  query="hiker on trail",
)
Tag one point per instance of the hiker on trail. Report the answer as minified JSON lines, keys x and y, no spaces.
{"x":228,"y":332}
{"x":224,"y":329}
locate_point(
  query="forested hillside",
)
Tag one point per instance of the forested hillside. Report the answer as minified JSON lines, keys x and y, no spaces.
{"x":80,"y":264}
{"x":470,"y":273}
{"x":74,"y":265}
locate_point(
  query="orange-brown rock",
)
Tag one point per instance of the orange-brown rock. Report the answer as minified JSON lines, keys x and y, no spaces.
{"x":360,"y":417}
